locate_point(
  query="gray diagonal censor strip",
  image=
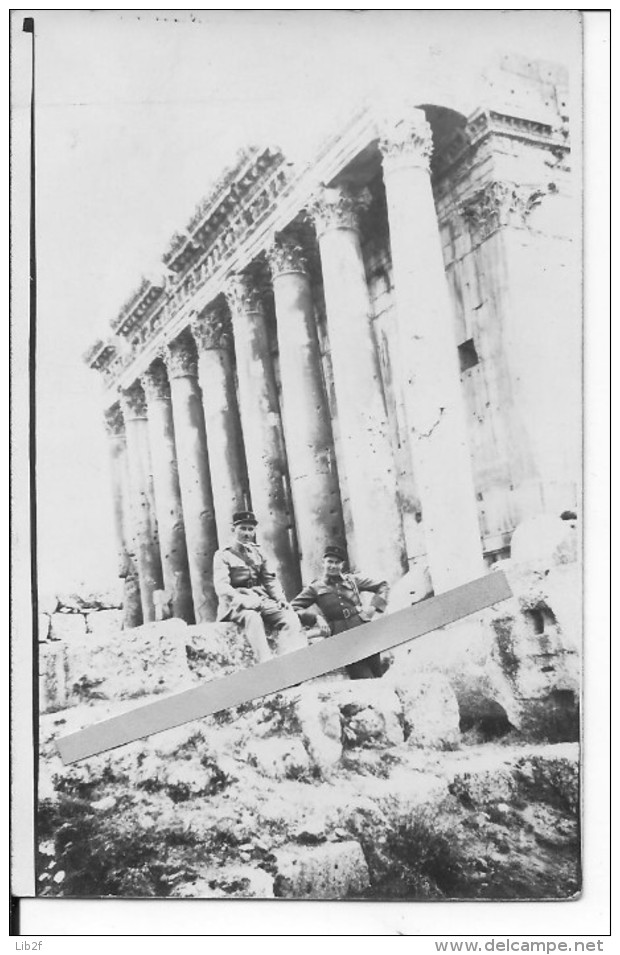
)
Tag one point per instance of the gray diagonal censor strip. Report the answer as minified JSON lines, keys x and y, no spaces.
{"x":288,"y":670}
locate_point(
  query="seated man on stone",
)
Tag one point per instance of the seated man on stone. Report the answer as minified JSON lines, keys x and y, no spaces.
{"x":250,"y":594}
{"x":337,"y":596}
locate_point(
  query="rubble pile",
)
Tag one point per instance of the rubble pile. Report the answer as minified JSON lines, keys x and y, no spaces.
{"x":454,"y":776}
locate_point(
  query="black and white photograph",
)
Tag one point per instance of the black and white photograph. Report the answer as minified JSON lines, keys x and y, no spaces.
{"x":302,"y":369}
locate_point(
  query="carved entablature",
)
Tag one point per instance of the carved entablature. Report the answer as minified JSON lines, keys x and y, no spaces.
{"x":287,"y":254}
{"x":182,"y":251}
{"x":181,"y":357}
{"x":114,"y":421}
{"x":133,"y":402}
{"x":498,"y":204}
{"x":407,"y":141}
{"x":212,"y":330}
{"x":243,"y":294}
{"x":100,"y":355}
{"x":484,"y":123}
{"x":155,"y":381}
{"x":133,"y":313}
{"x":337,"y":208}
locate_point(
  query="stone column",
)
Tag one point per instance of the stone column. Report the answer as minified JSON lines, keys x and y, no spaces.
{"x":378,"y":545}
{"x":433,"y":398}
{"x":143,"y":517}
{"x":262,"y":431}
{"x":305,"y":413}
{"x":167,"y":492}
{"x":115,"y":428}
{"x":194,"y":477}
{"x":213,"y":336}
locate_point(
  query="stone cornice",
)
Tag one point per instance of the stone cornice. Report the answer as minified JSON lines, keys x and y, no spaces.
{"x":485,"y":123}
{"x":337,"y":208}
{"x":237,"y":201}
{"x":200,"y":287}
{"x":137,"y":306}
{"x":212,"y":330}
{"x":182,"y":359}
{"x":155,"y":381}
{"x":133,"y":402}
{"x":100,"y":356}
{"x":114,"y":421}
{"x":287,"y":254}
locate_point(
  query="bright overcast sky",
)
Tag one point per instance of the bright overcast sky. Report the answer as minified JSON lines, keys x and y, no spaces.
{"x":136,"y":116}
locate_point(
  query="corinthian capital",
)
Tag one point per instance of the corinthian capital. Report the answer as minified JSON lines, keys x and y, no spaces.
{"x":406,"y":140}
{"x":182,"y":357}
{"x":133,"y":402}
{"x":243,"y":294}
{"x":497,"y":204}
{"x":337,"y":208}
{"x":155,"y":381}
{"x":212,"y":330}
{"x":114,"y":421}
{"x":286,"y":255}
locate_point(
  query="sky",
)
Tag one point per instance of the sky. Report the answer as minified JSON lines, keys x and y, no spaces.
{"x":137,"y":114}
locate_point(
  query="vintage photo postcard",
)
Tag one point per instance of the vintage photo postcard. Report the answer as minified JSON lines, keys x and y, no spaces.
{"x":299,"y":384}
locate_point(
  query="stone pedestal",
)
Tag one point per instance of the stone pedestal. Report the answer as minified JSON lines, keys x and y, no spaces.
{"x":213,"y":337}
{"x":143,"y":518}
{"x":115,"y":427}
{"x":194,"y":477}
{"x":378,"y":545}
{"x":432,"y":389}
{"x":167,"y":492}
{"x":305,"y":413}
{"x":262,"y":431}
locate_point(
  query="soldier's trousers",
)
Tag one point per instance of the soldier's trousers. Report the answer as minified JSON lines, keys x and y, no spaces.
{"x":285,"y":624}
{"x":369,"y":668}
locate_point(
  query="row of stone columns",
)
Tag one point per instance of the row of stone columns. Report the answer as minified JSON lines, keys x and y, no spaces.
{"x":209,"y":456}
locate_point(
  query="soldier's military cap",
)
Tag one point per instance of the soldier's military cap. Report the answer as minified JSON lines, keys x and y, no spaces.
{"x":244,"y":517}
{"x":334,"y":550}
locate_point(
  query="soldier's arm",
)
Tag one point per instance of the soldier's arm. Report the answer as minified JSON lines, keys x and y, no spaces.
{"x":271,"y":583}
{"x":304,"y":598}
{"x":221,"y":576}
{"x":380,"y":589}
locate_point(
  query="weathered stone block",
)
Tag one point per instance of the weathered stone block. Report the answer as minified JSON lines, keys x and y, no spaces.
{"x":228,"y":882}
{"x":465,"y":654}
{"x":280,"y":758}
{"x":544,"y":541}
{"x":430,"y":708}
{"x":371,"y":713}
{"x":216,"y":649}
{"x":321,"y":727}
{"x":410,"y":589}
{"x":104,"y":623}
{"x":334,"y":870}
{"x":44,"y":626}
{"x":138,"y":662}
{"x":67,"y":626}
{"x":48,"y":603}
{"x":53,"y":693}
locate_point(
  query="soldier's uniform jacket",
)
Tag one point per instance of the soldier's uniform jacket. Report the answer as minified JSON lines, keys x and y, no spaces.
{"x":339,"y":599}
{"x":241,"y":570}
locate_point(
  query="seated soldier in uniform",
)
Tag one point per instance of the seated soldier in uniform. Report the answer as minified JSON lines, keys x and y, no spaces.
{"x":337,"y":596}
{"x":250,"y":594}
